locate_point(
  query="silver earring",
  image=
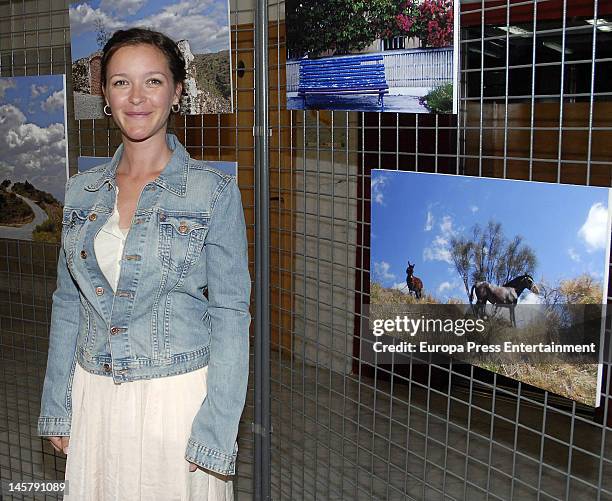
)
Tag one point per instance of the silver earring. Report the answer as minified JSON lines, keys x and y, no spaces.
{"x":177,"y":109}
{"x":109,"y":112}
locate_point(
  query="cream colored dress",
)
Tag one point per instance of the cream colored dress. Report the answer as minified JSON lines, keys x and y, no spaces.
{"x":128,"y":440}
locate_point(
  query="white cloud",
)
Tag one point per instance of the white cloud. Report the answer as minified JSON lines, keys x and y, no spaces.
{"x":6,"y":83}
{"x":446,"y":226}
{"x":594,"y":229}
{"x":32,"y":152}
{"x":377,"y":185}
{"x":203,"y":23}
{"x":83,"y":19}
{"x":574,"y":256}
{"x":128,"y":7}
{"x":37,"y":90}
{"x":529,"y":297}
{"x":402,"y":287}
{"x":381,"y":271}
{"x":439,"y":249}
{"x":429,"y":223}
{"x":448,"y":286}
{"x":474,"y":209}
{"x":54,"y":102}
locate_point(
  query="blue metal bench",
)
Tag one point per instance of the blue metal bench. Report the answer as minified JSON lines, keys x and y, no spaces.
{"x":343,"y":75}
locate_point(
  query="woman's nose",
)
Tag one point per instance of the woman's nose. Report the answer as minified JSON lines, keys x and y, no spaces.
{"x":136,"y":96}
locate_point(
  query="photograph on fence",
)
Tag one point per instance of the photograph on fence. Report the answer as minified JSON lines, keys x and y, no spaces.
{"x":396,"y":56}
{"x":512,"y":255}
{"x":33,"y":157}
{"x":201,"y":30}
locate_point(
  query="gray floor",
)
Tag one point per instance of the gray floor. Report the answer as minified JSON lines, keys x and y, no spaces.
{"x":335,"y":437}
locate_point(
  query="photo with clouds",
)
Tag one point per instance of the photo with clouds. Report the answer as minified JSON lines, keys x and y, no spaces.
{"x":201,"y":29}
{"x":470,"y":246}
{"x":33,"y":162}
{"x":423,"y":218}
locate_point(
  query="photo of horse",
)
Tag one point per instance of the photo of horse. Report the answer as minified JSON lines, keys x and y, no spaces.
{"x":515,"y":254}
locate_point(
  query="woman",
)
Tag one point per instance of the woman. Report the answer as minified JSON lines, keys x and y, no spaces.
{"x":148,"y":351}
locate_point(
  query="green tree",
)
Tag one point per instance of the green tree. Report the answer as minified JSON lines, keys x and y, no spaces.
{"x":102,"y":34}
{"x":488,"y":255}
{"x":342,"y":26}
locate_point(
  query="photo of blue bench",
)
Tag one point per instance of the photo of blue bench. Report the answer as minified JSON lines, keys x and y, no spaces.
{"x":343,"y":75}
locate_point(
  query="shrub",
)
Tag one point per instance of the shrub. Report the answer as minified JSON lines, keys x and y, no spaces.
{"x":431,"y":21}
{"x":439,"y":100}
{"x":436,"y":18}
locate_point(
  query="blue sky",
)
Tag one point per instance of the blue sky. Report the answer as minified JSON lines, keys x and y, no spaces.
{"x":32,"y":132}
{"x":204,"y":23}
{"x":39,"y":98}
{"x":415,"y":214}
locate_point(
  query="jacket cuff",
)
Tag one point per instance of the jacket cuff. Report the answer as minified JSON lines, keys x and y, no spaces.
{"x":53,"y":427}
{"x":211,"y":459}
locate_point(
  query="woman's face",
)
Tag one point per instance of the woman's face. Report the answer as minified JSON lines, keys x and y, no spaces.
{"x":140,"y":91}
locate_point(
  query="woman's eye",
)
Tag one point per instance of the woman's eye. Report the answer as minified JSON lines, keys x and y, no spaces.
{"x":155,"y":81}
{"x":119,"y":83}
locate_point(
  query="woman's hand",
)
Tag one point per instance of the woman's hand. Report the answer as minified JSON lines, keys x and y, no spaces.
{"x":193,"y":467}
{"x":60,"y":444}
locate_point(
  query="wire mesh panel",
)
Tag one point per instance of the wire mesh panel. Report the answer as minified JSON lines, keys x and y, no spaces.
{"x":35,"y":40}
{"x":534,"y":105}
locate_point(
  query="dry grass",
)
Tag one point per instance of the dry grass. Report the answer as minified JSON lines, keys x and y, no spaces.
{"x":385,"y":295}
{"x":577,"y":382}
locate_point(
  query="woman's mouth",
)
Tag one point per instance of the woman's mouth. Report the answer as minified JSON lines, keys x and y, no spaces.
{"x":138,"y":114}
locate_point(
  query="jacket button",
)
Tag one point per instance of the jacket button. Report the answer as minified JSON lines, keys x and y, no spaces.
{"x":114,"y":330}
{"x":183,"y":228}
{"x":107,"y":367}
{"x":84,"y":254}
{"x":162,"y":217}
{"x":99,"y":291}
{"x":93,"y":217}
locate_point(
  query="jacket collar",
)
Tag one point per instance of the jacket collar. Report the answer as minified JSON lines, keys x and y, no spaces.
{"x":173,"y":178}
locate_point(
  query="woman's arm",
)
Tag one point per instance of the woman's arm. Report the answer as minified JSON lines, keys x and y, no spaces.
{"x":212,"y":444}
{"x":55,"y":407}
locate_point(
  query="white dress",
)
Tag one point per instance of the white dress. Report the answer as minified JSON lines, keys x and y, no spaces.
{"x":128,"y":440}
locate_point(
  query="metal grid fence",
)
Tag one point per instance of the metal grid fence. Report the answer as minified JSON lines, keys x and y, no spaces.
{"x":343,"y":429}
{"x":535,"y":86}
{"x":35,"y":40}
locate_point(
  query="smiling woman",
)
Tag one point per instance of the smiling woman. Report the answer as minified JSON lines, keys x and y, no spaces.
{"x":142,"y":77}
{"x":152,"y":302}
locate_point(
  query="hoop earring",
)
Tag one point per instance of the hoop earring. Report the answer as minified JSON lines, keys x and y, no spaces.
{"x":177,"y":109}
{"x":108,"y":113}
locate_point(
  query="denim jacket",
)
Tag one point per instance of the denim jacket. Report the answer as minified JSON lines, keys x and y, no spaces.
{"x":182,"y":299}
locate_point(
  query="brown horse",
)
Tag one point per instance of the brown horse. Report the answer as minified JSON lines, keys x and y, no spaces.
{"x":506,"y":295}
{"x":415,"y":284}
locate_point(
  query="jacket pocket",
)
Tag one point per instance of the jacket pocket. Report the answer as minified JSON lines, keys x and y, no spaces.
{"x":73,"y":222}
{"x":181,"y":238}
{"x":87,"y":327}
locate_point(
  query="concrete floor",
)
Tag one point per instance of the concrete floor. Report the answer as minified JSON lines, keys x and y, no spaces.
{"x":336,"y":437}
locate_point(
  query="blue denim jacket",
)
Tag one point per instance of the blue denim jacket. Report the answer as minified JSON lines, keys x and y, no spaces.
{"x":182,"y":300}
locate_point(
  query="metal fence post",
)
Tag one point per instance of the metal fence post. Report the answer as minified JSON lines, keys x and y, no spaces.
{"x":261,"y":425}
